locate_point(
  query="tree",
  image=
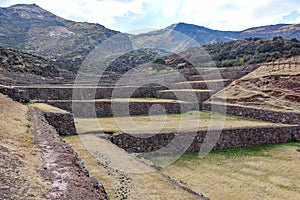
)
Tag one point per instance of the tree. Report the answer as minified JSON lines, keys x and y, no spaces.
{"x":159,"y":60}
{"x":242,"y":61}
{"x":158,"y":64}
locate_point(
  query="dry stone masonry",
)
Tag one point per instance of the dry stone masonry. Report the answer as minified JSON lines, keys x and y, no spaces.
{"x":229,"y":138}
{"x":256,"y":113}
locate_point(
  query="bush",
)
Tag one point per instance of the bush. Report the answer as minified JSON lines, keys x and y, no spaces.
{"x":160,"y":61}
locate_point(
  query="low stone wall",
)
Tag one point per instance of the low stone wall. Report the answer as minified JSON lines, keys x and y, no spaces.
{"x":217,"y":85}
{"x":66,"y":93}
{"x":231,"y":73}
{"x":104,"y":108}
{"x":229,"y":138}
{"x":200,"y":96}
{"x":62,"y":122}
{"x":256,"y":113}
{"x":15,"y":94}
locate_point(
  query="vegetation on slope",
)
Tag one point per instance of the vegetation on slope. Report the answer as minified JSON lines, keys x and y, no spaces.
{"x":132,"y":59}
{"x":181,"y":32}
{"x":252,"y":51}
{"x":15,"y":61}
{"x":34,"y":30}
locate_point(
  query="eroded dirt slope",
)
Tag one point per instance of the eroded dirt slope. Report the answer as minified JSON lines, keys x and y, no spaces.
{"x":35,"y":163}
{"x":271,"y":86}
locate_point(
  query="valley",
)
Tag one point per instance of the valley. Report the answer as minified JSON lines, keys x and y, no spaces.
{"x":184,"y":112}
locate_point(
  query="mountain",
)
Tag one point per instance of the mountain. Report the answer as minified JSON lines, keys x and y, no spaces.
{"x":34,"y":30}
{"x":287,"y":31}
{"x":241,"y":52}
{"x":194,"y":35}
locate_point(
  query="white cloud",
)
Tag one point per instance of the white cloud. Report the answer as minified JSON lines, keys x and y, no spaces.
{"x":224,"y":15}
{"x":170,"y":8}
{"x":103,"y":12}
{"x":135,"y":14}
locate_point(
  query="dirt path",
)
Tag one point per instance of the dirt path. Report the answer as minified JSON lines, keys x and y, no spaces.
{"x":62,"y":168}
{"x":124,"y":176}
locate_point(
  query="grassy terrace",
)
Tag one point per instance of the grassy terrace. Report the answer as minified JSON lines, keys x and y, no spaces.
{"x":270,"y":172}
{"x":185,"y":90}
{"x":193,"y":120}
{"x":68,"y":86}
{"x":48,"y":108}
{"x":204,"y":81}
{"x":140,"y":100}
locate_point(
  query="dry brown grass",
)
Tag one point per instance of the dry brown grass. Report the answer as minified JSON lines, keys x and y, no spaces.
{"x":260,"y":173}
{"x":147,"y":185}
{"x":138,"y":100}
{"x":264,"y":88}
{"x":48,"y":108}
{"x":193,"y":120}
{"x":16,"y":136}
{"x":204,"y":81}
{"x":186,"y":90}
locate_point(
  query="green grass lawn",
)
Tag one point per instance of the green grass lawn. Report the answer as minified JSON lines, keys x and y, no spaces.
{"x":268,"y":172}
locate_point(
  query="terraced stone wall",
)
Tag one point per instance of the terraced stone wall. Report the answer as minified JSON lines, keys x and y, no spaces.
{"x":256,"y":113}
{"x":66,"y":93}
{"x":15,"y":94}
{"x":62,"y":122}
{"x":229,"y":138}
{"x":104,"y":108}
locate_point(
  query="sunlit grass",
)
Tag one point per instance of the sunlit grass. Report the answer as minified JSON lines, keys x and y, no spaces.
{"x":190,"y":121}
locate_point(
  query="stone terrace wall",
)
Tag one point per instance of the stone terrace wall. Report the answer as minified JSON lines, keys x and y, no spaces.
{"x":231,"y":73}
{"x":229,"y":138}
{"x":205,"y":85}
{"x":66,"y":93}
{"x":62,"y":122}
{"x":256,"y":113}
{"x":15,"y":94}
{"x":61,"y":93}
{"x":201,"y":96}
{"x":103,"y":108}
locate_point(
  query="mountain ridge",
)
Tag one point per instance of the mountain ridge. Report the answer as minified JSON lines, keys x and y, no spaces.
{"x":203,"y":35}
{"x":32,"y":29}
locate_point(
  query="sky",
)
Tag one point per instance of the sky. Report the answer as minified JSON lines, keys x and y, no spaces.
{"x":142,"y":15}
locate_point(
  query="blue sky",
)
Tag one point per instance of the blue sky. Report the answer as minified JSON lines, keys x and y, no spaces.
{"x":132,"y":15}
